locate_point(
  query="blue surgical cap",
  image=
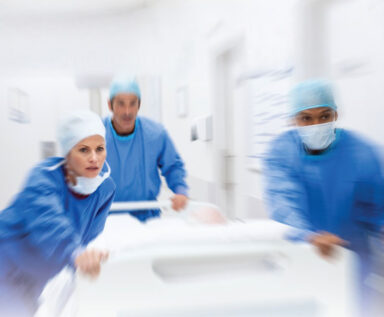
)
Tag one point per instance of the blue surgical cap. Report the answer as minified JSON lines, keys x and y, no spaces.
{"x":127,"y":85}
{"x":309,"y":94}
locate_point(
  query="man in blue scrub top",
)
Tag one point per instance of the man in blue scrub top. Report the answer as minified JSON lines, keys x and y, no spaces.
{"x":137,"y":148}
{"x":326,"y":181}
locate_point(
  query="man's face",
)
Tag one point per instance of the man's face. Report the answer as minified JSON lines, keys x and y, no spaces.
{"x":124,"y":107}
{"x":315,"y":116}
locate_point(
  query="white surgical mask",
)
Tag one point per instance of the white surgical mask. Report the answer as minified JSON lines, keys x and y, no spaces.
{"x":88,"y":185}
{"x":317,"y":136}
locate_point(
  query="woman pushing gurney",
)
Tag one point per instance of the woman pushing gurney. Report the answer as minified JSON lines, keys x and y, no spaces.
{"x":61,"y":208}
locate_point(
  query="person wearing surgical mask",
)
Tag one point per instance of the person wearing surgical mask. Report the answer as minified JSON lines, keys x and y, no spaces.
{"x":326,"y":181}
{"x":62,"y":206}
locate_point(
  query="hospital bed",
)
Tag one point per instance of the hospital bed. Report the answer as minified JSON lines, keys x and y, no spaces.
{"x":259,"y":275}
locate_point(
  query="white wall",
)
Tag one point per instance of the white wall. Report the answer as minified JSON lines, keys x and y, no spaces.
{"x":265,"y":29}
{"x":356,"y":53}
{"x":48,"y":98}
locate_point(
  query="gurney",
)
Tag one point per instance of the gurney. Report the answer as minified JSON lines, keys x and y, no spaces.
{"x":223,"y":272}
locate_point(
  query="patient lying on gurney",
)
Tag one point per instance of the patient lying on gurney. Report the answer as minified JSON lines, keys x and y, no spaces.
{"x":202,"y":226}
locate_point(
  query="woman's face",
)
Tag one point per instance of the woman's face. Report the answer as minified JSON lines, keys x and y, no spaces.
{"x":87,"y":157}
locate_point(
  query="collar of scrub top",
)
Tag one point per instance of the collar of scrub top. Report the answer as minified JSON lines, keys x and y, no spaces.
{"x":125,"y":137}
{"x":61,"y":164}
{"x":78,"y":196}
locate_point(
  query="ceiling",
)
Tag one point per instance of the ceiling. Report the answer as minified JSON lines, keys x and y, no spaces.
{"x":10,"y":9}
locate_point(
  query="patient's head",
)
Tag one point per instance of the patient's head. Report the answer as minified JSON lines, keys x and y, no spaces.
{"x":208,"y":215}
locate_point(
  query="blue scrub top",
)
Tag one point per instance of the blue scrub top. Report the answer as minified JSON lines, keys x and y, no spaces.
{"x":43,"y":228}
{"x":340,"y":191}
{"x":136,"y":159}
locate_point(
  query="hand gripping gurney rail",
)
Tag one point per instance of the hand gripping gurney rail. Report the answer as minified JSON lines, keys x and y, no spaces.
{"x":164,"y":205}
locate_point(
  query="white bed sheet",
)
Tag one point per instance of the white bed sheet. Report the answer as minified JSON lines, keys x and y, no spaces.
{"x":123,"y":232}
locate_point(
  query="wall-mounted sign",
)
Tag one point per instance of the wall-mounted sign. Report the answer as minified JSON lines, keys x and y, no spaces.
{"x":182,"y":101}
{"x":267,"y":95}
{"x":47,"y":149}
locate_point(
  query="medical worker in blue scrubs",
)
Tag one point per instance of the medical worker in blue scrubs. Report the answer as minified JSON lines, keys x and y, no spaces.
{"x":62,"y":206}
{"x":326,"y":181}
{"x":137,"y":149}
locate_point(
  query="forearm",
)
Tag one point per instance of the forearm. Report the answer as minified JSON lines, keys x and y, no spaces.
{"x":175,"y":178}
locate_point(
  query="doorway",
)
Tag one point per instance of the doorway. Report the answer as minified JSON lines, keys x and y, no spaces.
{"x":228,"y":127}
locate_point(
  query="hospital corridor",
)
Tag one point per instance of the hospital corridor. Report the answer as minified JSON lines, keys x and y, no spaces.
{"x":192,"y":158}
